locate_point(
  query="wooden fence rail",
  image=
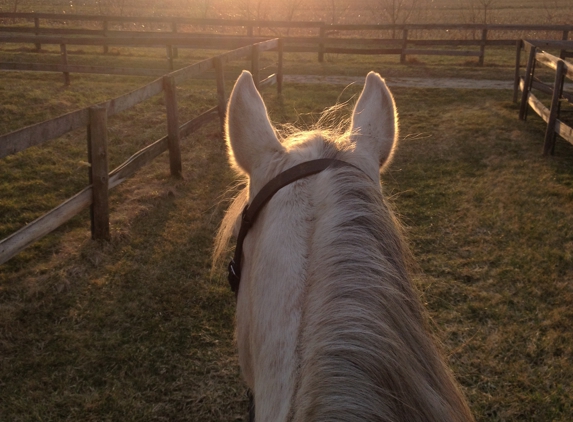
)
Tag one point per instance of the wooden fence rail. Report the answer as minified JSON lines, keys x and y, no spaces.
{"x":526,"y":83}
{"x":95,"y":118}
{"x":134,"y":39}
{"x":327,"y":38}
{"x":324,"y":45}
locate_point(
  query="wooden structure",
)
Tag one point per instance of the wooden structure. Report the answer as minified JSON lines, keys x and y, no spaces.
{"x":133,"y":40}
{"x":95,"y":119}
{"x":323,"y":38}
{"x":526,"y":83}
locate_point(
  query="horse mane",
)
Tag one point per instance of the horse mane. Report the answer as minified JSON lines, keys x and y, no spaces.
{"x":364,"y":352}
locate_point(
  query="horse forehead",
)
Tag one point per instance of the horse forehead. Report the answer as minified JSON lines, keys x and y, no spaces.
{"x":315,"y":140}
{"x":299,"y":148}
{"x":312,"y":146}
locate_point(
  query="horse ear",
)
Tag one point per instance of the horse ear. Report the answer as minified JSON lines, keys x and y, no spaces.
{"x":251,"y":138}
{"x":374,"y":127}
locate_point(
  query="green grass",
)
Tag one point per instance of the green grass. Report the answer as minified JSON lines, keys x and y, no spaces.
{"x":137,"y":330}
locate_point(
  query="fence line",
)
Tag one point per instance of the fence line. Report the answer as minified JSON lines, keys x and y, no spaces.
{"x":563,"y":69}
{"x":322,"y":43}
{"x":95,"y":118}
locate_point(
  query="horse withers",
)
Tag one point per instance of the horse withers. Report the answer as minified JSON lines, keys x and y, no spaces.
{"x":329,"y":326}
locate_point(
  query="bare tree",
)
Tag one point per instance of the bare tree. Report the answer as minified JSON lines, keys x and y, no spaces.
{"x":469,"y":13}
{"x":334,"y":18}
{"x":254,"y":9}
{"x":205,"y":7}
{"x":110,"y":7}
{"x":337,"y":9}
{"x":291,"y":7}
{"x":395,"y":11}
{"x":558,"y":11}
{"x":485,"y":6}
{"x":200,"y":8}
{"x":261,"y":10}
{"x":15,"y":9}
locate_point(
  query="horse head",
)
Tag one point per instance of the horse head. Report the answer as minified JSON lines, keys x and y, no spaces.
{"x":329,"y":325}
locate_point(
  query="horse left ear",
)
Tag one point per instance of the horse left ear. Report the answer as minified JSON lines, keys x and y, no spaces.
{"x":251,"y":138}
{"x":374,"y":127}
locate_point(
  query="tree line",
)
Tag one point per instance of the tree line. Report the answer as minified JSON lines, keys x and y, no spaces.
{"x":329,"y":11}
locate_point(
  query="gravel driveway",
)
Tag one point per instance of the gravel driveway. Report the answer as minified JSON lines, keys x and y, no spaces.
{"x":403,"y":82}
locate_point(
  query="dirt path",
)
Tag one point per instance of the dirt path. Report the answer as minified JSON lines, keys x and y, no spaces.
{"x":403,"y":82}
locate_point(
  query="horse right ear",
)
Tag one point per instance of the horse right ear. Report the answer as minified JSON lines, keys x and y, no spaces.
{"x":251,"y":138}
{"x":374,"y":126}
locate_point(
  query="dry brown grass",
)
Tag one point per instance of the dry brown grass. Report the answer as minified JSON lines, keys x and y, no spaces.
{"x":490,"y":221}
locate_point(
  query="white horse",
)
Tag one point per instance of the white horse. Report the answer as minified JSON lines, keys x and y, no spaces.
{"x":329,"y":325}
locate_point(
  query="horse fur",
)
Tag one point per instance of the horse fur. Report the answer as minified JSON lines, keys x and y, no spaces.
{"x":329,"y":325}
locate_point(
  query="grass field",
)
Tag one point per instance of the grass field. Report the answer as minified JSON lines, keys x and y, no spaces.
{"x":137,"y":329}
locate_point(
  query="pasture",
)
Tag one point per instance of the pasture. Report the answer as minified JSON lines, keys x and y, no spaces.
{"x":140,"y":328}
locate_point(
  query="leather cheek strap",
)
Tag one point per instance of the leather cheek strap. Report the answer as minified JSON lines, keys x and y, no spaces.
{"x":250,"y":212}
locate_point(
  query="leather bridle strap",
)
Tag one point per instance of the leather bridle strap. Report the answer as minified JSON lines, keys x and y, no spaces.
{"x":250,"y":212}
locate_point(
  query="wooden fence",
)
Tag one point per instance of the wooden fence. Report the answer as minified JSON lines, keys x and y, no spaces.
{"x":134,"y":39}
{"x":95,"y":119}
{"x":326,"y":39}
{"x":563,"y":70}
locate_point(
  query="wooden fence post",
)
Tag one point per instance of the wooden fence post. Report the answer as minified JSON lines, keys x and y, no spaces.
{"x":280,"y":67}
{"x":255,"y":64}
{"x":221,"y":98}
{"x":321,"y":36}
{"x":565,"y":37}
{"x":482,"y":46}
{"x":37,"y":26}
{"x":97,"y":155}
{"x":404,"y":46}
{"x":105,"y":26}
{"x":554,"y":110}
{"x":172,"y":125}
{"x":527,"y":82}
{"x":175,"y":51}
{"x":64,"y":54}
{"x":169,"y":49}
{"x":518,"y":46}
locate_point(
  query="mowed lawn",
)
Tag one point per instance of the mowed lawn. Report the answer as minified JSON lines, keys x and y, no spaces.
{"x":140,"y":329}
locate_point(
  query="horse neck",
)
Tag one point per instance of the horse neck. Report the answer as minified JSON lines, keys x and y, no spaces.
{"x":291,"y":233}
{"x":332,"y":329}
{"x":363,"y":352}
{"x":269,"y":303}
